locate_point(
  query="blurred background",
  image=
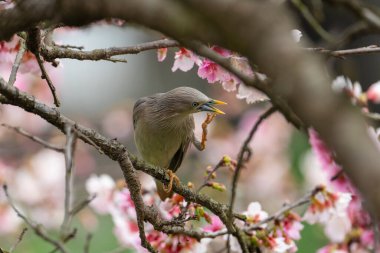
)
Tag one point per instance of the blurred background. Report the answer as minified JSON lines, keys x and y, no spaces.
{"x":101,"y":95}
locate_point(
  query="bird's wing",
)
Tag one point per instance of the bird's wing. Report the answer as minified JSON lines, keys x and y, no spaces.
{"x":176,"y":161}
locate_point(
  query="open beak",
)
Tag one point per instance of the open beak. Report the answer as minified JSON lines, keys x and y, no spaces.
{"x":208,"y":107}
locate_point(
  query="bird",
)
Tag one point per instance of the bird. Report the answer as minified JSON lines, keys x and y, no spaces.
{"x":164,"y":129}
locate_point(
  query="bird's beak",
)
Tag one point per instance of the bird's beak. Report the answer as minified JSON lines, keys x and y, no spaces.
{"x":208,"y":106}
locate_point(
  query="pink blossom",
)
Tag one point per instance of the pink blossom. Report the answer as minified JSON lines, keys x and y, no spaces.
{"x":242,"y":64}
{"x":332,"y":249}
{"x":175,"y":244}
{"x":254,"y":213}
{"x":230,"y":85}
{"x":103,"y":187}
{"x":161,"y":54}
{"x":324,"y":205}
{"x":9,"y":220}
{"x":6,"y":4}
{"x":292,"y":226}
{"x":123,"y":203}
{"x":222,"y":51}
{"x":216,"y":225}
{"x":127,"y":232}
{"x":373,"y":92}
{"x":212,"y":72}
{"x":332,"y":169}
{"x":279,"y":244}
{"x":353,"y":90}
{"x":184,"y":60}
{"x":249,"y":94}
{"x":338,"y":227}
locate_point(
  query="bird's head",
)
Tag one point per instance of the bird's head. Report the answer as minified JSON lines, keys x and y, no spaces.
{"x":187,"y":100}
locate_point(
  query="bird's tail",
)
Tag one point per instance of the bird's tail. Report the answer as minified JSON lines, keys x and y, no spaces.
{"x":161,"y":192}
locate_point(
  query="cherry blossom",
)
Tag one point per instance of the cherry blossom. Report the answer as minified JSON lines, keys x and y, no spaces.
{"x":277,"y":245}
{"x":161,"y":54}
{"x":230,"y":84}
{"x":215,"y":225}
{"x":102,"y":187}
{"x":9,"y":220}
{"x":212,"y":72}
{"x":353,"y":90}
{"x":184,"y":60}
{"x":292,"y":226}
{"x":325,"y":205}
{"x":337,"y":227}
{"x":373,"y":92}
{"x":115,"y":200}
{"x":331,"y":168}
{"x":254,"y":213}
{"x":249,"y":94}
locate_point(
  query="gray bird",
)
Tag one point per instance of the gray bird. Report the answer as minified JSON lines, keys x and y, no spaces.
{"x":164,"y":128}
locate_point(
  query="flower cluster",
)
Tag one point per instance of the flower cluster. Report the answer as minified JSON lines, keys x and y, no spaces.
{"x":185,"y":60}
{"x":114,"y":199}
{"x":339,"y":209}
{"x":354,"y":91}
{"x":277,"y":238}
{"x":28,"y":75}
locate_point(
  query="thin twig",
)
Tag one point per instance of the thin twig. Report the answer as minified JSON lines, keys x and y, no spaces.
{"x":242,"y":155}
{"x":67,"y":238}
{"x":76,"y":209}
{"x":50,"y":53}
{"x":68,"y":46}
{"x":69,"y":153}
{"x":34,"y":138}
{"x":286,"y":208}
{"x":346,"y":52}
{"x":45,"y":76}
{"x":87,"y":243}
{"x":19,"y":239}
{"x":210,"y":175}
{"x":38,"y":229}
{"x":304,"y":10}
{"x":16,"y":64}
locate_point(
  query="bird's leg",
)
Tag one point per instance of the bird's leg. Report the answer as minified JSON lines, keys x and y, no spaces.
{"x":207,"y":121}
{"x":173,"y":177}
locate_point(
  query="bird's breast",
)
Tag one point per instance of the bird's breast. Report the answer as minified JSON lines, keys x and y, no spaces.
{"x":156,"y":144}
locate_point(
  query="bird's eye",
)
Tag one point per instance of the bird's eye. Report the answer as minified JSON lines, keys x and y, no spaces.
{"x":195,"y":104}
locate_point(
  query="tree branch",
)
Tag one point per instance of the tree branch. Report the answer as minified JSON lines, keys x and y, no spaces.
{"x":35,"y":227}
{"x":245,"y":155}
{"x":16,"y":64}
{"x":34,"y":138}
{"x":53,"y":52}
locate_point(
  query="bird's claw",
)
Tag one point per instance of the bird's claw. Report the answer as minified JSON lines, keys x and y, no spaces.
{"x":205,"y":123}
{"x":173,"y":178}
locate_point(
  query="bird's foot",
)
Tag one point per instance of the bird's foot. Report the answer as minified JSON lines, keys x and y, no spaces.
{"x":173,"y":178}
{"x":207,"y":121}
